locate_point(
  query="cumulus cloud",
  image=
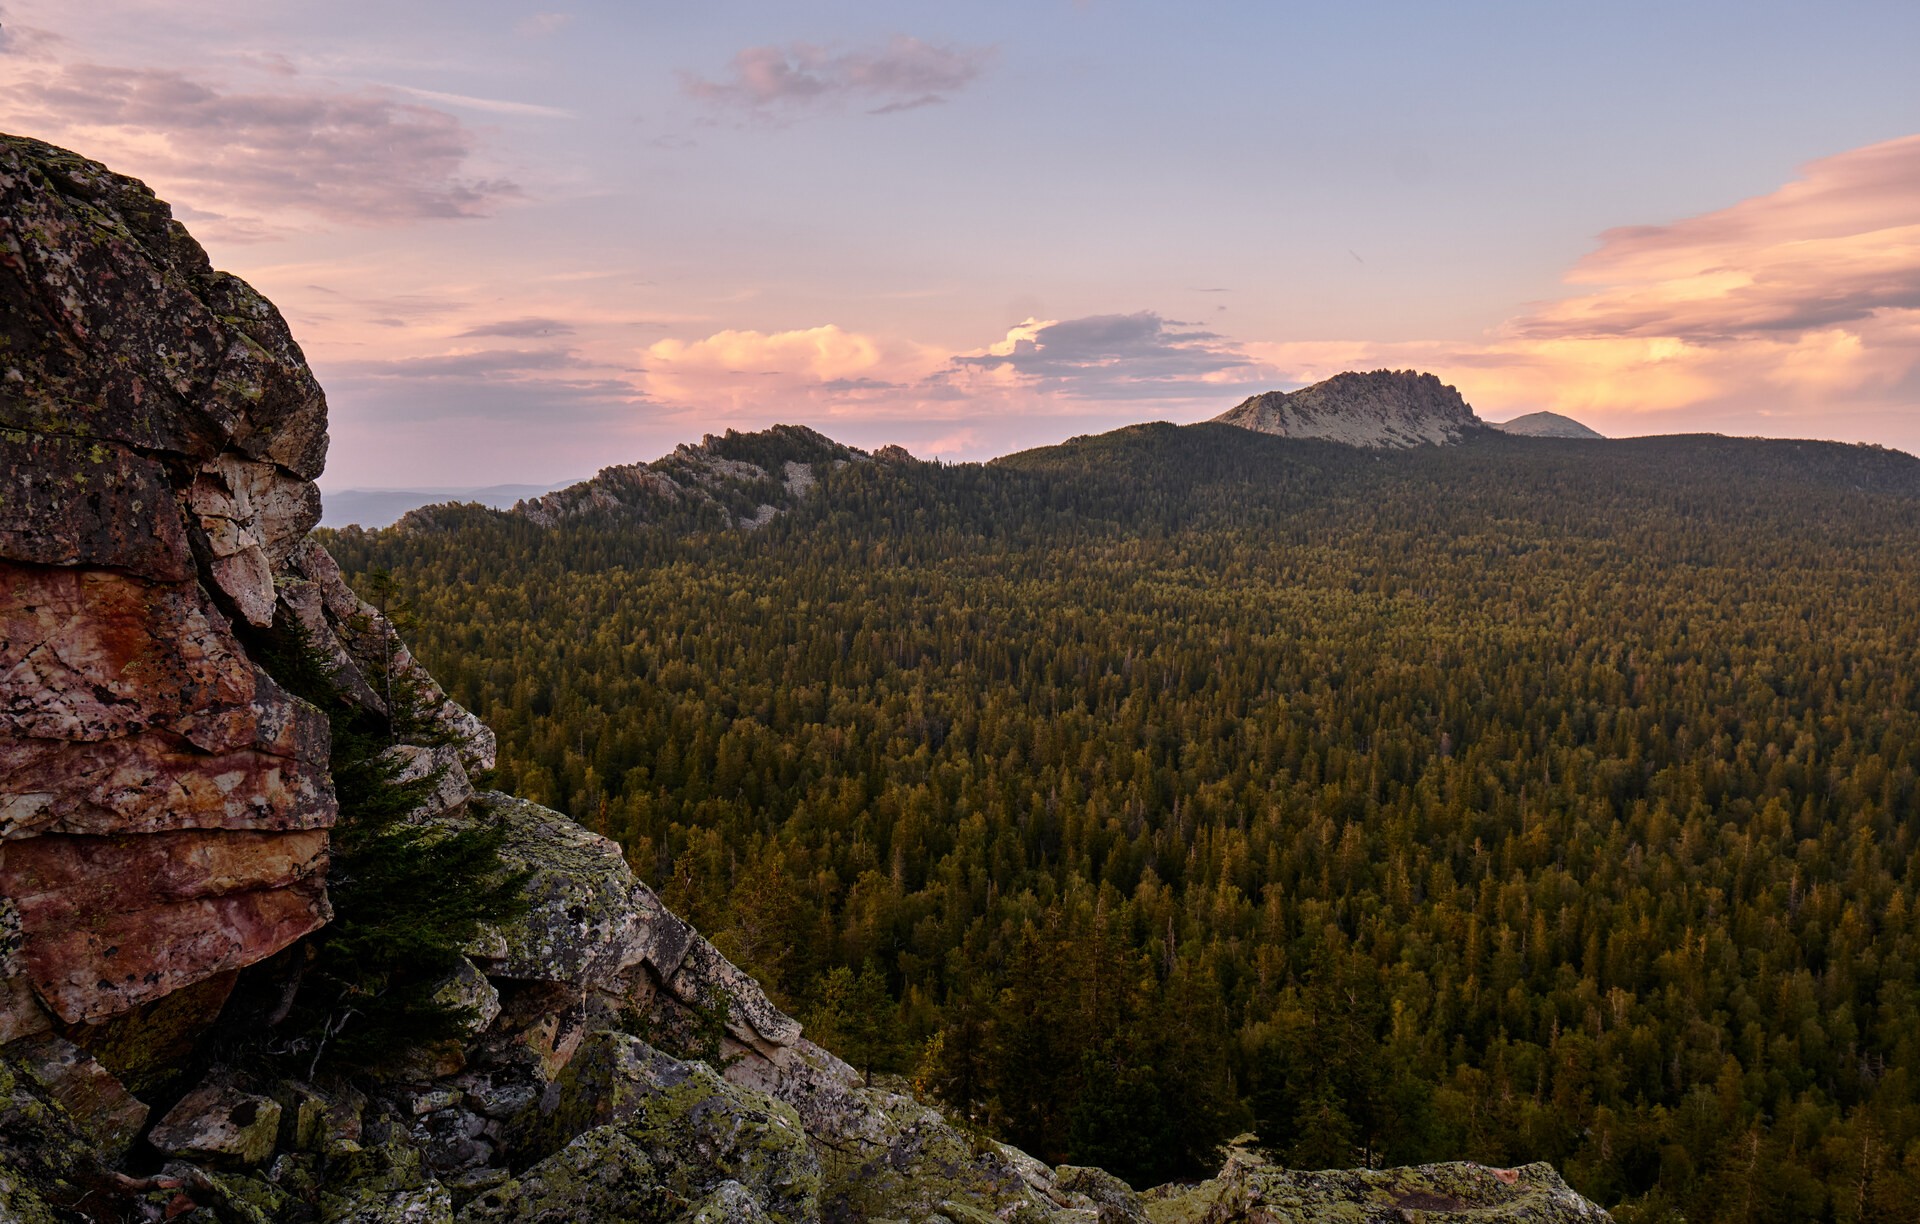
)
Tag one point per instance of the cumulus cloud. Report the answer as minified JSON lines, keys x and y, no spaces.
{"x":249,"y":160}
{"x":1039,"y":369}
{"x":1114,"y":356}
{"x":904,"y":74}
{"x":744,"y":371}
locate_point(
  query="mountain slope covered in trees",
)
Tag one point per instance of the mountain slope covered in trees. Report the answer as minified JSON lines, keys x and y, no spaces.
{"x":1520,"y":799}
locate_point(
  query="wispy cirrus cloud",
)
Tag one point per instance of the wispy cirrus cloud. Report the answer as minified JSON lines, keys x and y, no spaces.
{"x":1799,"y":305}
{"x":543,"y":25}
{"x":554,"y":386}
{"x":1837,"y":247}
{"x":249,"y":163}
{"x":526,"y":328}
{"x":904,"y":74}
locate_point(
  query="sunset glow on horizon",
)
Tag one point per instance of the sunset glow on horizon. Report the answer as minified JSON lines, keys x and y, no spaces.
{"x":520,"y":243}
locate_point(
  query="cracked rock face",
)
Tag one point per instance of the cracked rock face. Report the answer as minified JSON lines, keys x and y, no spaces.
{"x":163,"y":804}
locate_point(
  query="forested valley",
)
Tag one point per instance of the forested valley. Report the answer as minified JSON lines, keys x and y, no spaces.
{"x":1517,"y":800}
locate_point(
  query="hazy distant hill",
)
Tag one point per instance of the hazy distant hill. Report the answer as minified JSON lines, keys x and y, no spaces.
{"x":1546,"y":425}
{"x":372,"y":508}
{"x":1386,"y":408}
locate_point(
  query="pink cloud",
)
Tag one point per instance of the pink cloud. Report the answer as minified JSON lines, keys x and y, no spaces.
{"x":1794,"y":311}
{"x":904,"y":74}
{"x":253,"y":163}
{"x":744,"y":372}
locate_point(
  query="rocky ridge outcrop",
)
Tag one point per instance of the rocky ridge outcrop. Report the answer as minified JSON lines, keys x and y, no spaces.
{"x":742,"y":480}
{"x":166,"y":815}
{"x":1547,"y":425}
{"x":1391,"y":409}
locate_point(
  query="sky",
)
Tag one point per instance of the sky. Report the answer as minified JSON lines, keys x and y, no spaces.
{"x":522,"y":241}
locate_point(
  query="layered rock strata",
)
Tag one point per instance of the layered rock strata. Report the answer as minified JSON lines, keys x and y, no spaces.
{"x":163,"y":802}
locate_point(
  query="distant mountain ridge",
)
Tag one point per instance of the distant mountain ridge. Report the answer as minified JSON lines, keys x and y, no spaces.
{"x":1391,"y":409}
{"x":371,"y":508}
{"x":737,"y":480}
{"x":1547,"y":425}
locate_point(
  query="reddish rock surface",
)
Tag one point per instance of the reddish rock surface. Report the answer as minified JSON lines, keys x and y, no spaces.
{"x":163,"y":803}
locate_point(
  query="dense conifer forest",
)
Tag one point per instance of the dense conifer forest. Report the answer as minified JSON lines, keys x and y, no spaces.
{"x":1521,"y":800}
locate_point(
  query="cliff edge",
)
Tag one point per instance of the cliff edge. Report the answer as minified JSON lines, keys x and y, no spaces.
{"x":185,"y":684}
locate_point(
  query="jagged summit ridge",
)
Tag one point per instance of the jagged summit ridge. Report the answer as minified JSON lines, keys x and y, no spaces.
{"x":1547,"y":425}
{"x":1391,"y":409}
{"x":750,"y":477}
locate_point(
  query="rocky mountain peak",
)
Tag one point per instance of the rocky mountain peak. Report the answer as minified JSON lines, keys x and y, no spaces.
{"x":1391,"y":409}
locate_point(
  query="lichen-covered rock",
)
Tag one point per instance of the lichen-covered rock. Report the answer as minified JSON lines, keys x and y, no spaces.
{"x":886,"y":1155}
{"x":371,"y":659}
{"x":698,"y":1129}
{"x":45,"y":1157}
{"x":87,"y":502}
{"x":159,"y":432}
{"x":1251,"y":1190}
{"x":579,"y":925}
{"x":468,"y":991}
{"x":426,"y":1204}
{"x":220,"y":1123}
{"x":1112,"y":1200}
{"x":231,"y":1197}
{"x":590,"y":922}
{"x":441,"y":764}
{"x":606,"y":1175}
{"x":99,"y":1104}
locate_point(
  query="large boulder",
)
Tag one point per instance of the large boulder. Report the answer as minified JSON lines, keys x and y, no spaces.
{"x":629,"y":1134}
{"x":220,"y":1123}
{"x":1252,"y":1190}
{"x":163,"y":803}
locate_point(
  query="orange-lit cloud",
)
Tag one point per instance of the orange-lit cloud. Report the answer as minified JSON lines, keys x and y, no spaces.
{"x":1800,"y":307}
{"x":737,"y":372}
{"x":1797,"y":311}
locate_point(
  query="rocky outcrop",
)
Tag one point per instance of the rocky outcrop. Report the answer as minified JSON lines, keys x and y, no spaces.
{"x":167,"y":814}
{"x":1251,"y":1190}
{"x":163,"y":802}
{"x":744,"y":480}
{"x":1390,"y":409}
{"x":1547,"y":425}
